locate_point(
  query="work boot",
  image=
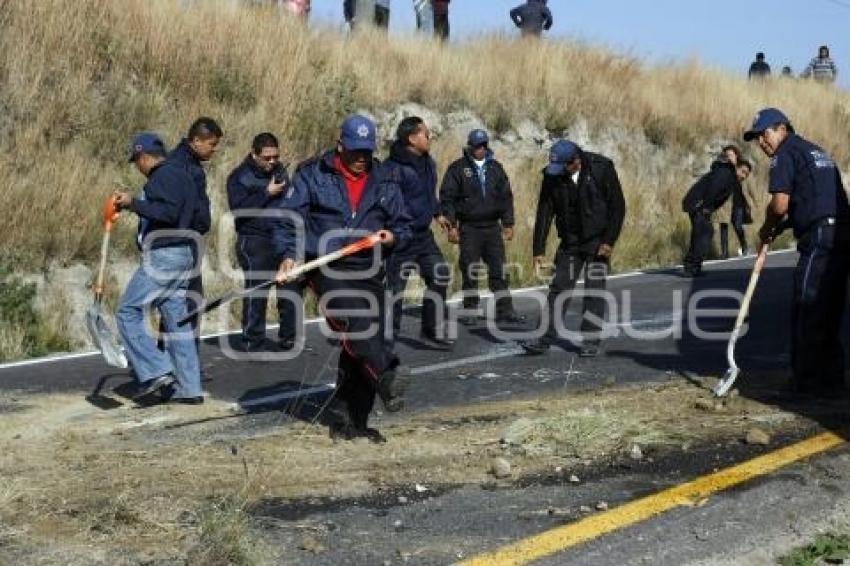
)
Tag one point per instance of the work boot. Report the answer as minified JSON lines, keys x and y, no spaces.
{"x":391,"y":387}
{"x":436,"y":341}
{"x":535,"y":347}
{"x":511,"y":317}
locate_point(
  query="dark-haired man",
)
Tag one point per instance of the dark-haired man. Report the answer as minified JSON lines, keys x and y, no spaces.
{"x":759,"y":69}
{"x":532,"y":18}
{"x":168,"y":203}
{"x":477,"y":202}
{"x":807,"y":192}
{"x":411,"y":164}
{"x":255,"y":191}
{"x":343,"y":195}
{"x":582,"y":193}
{"x":199,"y":146}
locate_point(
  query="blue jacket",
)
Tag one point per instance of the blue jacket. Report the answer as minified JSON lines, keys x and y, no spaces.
{"x":247,"y":189}
{"x":532,"y":17}
{"x":320,"y":197}
{"x":169,"y":202}
{"x":186,"y":158}
{"x":418,"y":179}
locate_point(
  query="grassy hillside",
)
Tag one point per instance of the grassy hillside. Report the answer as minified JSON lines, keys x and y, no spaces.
{"x":78,"y":78}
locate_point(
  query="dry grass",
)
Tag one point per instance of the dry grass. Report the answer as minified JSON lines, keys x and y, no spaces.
{"x":119,"y":481}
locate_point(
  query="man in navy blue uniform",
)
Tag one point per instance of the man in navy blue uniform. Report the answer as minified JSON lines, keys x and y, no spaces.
{"x":198,"y":147}
{"x":478,"y":203}
{"x":255,"y":192}
{"x":808,"y":193}
{"x":167,"y":211}
{"x":343,"y":195}
{"x":411,"y":163}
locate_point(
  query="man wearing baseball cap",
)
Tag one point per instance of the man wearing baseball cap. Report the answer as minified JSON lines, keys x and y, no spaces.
{"x":807,"y":193}
{"x":477,"y":201}
{"x":342,"y":196}
{"x":582,"y":193}
{"x":167,"y":216}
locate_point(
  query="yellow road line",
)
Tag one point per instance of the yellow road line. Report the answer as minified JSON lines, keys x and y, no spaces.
{"x":686,"y":494}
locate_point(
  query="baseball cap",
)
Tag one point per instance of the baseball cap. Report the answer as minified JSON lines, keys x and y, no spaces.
{"x":766,"y":118}
{"x":561,"y":153}
{"x":146,"y":142}
{"x":358,"y":134}
{"x":477,"y":138}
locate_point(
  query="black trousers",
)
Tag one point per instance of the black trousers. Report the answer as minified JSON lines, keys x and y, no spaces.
{"x":484,"y":243}
{"x":569,"y":264}
{"x":701,"y":234}
{"x":382,"y":17}
{"x":258,"y":261}
{"x":363,"y":358}
{"x":423,"y":254}
{"x":820,"y":291}
{"x":441,"y":26}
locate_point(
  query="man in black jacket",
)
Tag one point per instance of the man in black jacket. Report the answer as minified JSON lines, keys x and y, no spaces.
{"x":532,"y":18}
{"x":411,"y":164}
{"x":476,"y":200}
{"x":582,"y":193}
{"x":255,"y":192}
{"x":704,"y":197}
{"x":167,"y":211}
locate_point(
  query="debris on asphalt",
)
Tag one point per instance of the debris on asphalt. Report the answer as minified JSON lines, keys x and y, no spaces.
{"x":636,"y":453}
{"x":757,"y":436}
{"x":402,"y":499}
{"x":574,"y":478}
{"x":420,"y":488}
{"x":398,"y":524}
{"x":312,"y":545}
{"x":602,"y":506}
{"x":500,"y":468}
{"x":585,"y":509}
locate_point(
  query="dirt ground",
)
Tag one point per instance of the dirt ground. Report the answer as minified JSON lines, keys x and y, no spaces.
{"x":172,"y":484}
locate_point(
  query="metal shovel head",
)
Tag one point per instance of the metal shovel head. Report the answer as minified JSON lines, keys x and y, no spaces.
{"x":104,"y":337}
{"x":725,"y":384}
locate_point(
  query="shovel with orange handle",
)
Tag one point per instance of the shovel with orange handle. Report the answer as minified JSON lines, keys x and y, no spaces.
{"x":98,"y":324}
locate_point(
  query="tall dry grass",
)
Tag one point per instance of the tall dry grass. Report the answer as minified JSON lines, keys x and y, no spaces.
{"x":77,"y":79}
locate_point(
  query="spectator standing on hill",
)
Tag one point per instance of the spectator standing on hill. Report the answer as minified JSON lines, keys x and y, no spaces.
{"x":424,"y":15}
{"x":477,"y":201}
{"x":441,"y":19}
{"x":787,"y":72}
{"x":822,"y":68}
{"x":532,"y":18}
{"x":759,"y":69}
{"x":300,"y":8}
{"x":382,"y":14}
{"x":581,"y":192}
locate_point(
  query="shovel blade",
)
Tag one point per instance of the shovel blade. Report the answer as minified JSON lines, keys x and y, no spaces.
{"x":103,"y":337}
{"x":725,"y":384}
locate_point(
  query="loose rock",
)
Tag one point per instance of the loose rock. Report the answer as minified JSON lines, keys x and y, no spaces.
{"x":602,"y":506}
{"x":500,"y":468}
{"x":574,"y":478}
{"x":636,"y":453}
{"x":758,"y":437}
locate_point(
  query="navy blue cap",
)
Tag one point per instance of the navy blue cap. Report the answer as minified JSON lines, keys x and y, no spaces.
{"x":561,"y":153}
{"x":358,"y":134}
{"x":146,"y":142}
{"x":765,"y":119}
{"x":477,"y":138}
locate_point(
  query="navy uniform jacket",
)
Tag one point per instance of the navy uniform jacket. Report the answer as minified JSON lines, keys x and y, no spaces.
{"x":810,"y":177}
{"x":169,"y":202}
{"x":247,"y":190}
{"x":186,"y":158}
{"x":320,"y":197}
{"x":418,"y":179}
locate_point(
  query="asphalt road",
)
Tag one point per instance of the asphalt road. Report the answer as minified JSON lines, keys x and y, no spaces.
{"x":443,"y":525}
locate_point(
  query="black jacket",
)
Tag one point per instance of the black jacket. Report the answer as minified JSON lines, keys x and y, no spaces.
{"x":418,"y":179}
{"x":183,"y":156}
{"x":602,"y":207}
{"x":247,"y":189}
{"x":461,"y":197}
{"x":532,"y":17}
{"x":711,"y":191}
{"x":168,"y":202}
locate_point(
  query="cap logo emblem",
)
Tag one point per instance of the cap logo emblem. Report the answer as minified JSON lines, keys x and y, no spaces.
{"x":138,"y":147}
{"x":363,"y":131}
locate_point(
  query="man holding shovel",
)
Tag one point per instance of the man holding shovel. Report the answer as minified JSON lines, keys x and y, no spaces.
{"x":341,"y":196}
{"x":808,"y":194}
{"x":167,"y":211}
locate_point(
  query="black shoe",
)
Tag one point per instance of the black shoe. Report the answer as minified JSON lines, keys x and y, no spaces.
{"x":187,"y":400}
{"x":590,"y":350}
{"x":470,"y":320}
{"x":286,"y":344}
{"x":391,"y":387}
{"x":436,"y":341}
{"x":347,"y":431}
{"x":511,"y":318}
{"x":153,"y":386}
{"x":535,"y":347}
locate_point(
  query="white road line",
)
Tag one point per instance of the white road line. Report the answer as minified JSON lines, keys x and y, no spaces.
{"x":654,"y":271}
{"x":465,"y":361}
